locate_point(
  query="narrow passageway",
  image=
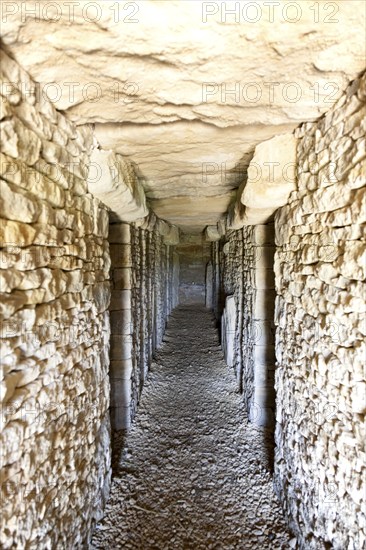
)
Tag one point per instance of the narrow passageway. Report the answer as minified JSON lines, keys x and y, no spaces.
{"x":192,"y":473}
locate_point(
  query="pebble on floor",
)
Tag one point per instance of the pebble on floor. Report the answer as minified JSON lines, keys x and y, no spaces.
{"x":192,"y":473}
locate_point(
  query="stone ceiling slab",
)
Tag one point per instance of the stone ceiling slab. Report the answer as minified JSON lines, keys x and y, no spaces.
{"x":174,"y":85}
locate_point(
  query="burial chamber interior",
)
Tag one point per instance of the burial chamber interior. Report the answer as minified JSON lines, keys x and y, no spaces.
{"x":146,"y":166}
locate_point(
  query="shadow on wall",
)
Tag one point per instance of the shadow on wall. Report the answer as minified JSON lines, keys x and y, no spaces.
{"x":193,"y":257}
{"x":240,"y":290}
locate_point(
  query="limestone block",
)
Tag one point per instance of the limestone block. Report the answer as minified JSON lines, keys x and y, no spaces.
{"x":101,"y":296}
{"x":120,"y":299}
{"x":262,"y":332}
{"x":271,"y":173}
{"x":121,"y":369}
{"x":57,"y":174}
{"x":114,"y":182}
{"x":209,"y":286}
{"x":121,"y":322}
{"x":17,"y":206}
{"x":101,"y":220}
{"x":263,"y":257}
{"x":122,"y":278}
{"x":162,"y":227}
{"x":121,"y":392}
{"x":172,"y":237}
{"x":18,"y":141}
{"x":221,"y":227}
{"x":119,"y":233}
{"x":212,"y":233}
{"x":255,"y":216}
{"x":263,"y":278}
{"x":263,"y":355}
{"x":263,"y":234}
{"x":121,"y":255}
{"x":148,"y":223}
{"x":15,"y":171}
{"x":228,"y":329}
{"x":261,"y":411}
{"x":235,"y":217}
{"x":5,"y":108}
{"x":352,"y":264}
{"x":264,"y":301}
{"x":121,"y":418}
{"x":16,"y":234}
{"x":264,"y":376}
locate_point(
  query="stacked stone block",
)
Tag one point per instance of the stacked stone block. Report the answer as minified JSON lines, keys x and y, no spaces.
{"x":243,"y":279}
{"x":232,"y":287}
{"x":320,"y":341}
{"x":55,"y":444}
{"x":261,"y":333}
{"x":121,"y":323}
{"x":145,"y":280}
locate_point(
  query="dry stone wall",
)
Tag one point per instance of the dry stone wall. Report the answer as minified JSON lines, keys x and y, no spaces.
{"x":145,"y":279}
{"x":320,"y":341}
{"x":55,"y":444}
{"x":242,"y":283}
{"x":194,"y":255}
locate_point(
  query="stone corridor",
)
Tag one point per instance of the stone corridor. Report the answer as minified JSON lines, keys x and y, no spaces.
{"x":182,"y":275}
{"x":192,"y":472}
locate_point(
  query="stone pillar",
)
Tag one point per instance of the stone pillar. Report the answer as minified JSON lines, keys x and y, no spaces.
{"x":216,"y":280}
{"x":176,"y":270}
{"x":228,"y":325}
{"x":262,"y":406}
{"x":242,"y":274}
{"x":145,"y":279}
{"x":144,"y":310}
{"x":121,"y":325}
{"x":150,"y":294}
{"x":209,"y":286}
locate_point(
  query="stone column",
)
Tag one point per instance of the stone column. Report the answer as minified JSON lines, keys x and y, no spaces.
{"x":209,"y":286}
{"x":262,"y":406}
{"x":121,"y":325}
{"x":176,"y":269}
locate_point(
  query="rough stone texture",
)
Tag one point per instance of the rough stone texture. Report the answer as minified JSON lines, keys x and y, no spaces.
{"x":194,"y":254}
{"x":270,"y":180}
{"x":209,"y":285}
{"x":114,"y":182}
{"x":55,"y":444}
{"x":186,"y":90}
{"x":145,"y":278}
{"x":192,"y":472}
{"x":320,"y":339}
{"x":211,"y":233}
{"x":243,"y":292}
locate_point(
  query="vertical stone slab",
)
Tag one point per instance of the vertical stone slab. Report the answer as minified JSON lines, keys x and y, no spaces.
{"x":228,"y":325}
{"x":176,"y":270}
{"x":209,"y":286}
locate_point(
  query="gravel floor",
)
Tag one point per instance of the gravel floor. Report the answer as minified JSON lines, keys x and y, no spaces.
{"x":192,"y":473}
